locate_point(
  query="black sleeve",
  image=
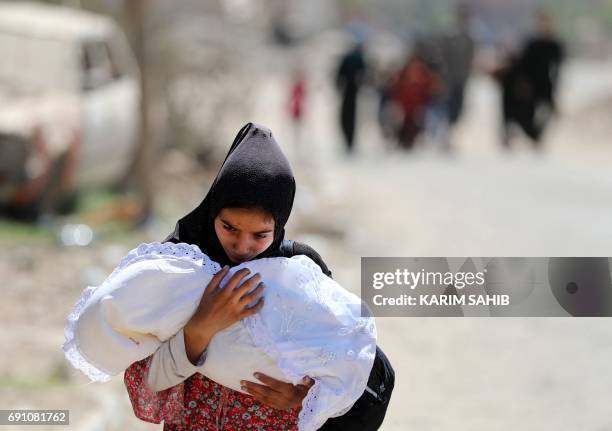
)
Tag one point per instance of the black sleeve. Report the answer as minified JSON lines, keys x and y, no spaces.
{"x":293,"y":248}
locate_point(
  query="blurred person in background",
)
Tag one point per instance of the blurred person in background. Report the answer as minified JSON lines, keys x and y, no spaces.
{"x":297,"y":102}
{"x":349,"y":79}
{"x":418,"y":84}
{"x":456,"y":55}
{"x":389,"y":113}
{"x":529,"y":82}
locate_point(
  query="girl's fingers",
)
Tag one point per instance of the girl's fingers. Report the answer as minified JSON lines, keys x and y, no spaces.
{"x":277,"y":385}
{"x":262,"y":397}
{"x":250,"y":297}
{"x":216,"y":280}
{"x":246,"y":287}
{"x":308,"y":382}
{"x":235,"y":280}
{"x":248,"y":311}
{"x":274,"y":392}
{"x":262,"y":393}
{"x":256,"y":387}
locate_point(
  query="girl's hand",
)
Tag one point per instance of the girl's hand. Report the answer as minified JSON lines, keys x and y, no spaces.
{"x":221,"y":307}
{"x":277,"y":394}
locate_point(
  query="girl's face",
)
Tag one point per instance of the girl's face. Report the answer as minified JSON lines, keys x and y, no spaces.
{"x":244,"y":232}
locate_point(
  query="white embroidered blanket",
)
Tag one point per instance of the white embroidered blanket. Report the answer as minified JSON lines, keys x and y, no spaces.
{"x":309,"y":325}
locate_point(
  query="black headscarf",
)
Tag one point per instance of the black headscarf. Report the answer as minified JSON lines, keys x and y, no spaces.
{"x":255,"y":173}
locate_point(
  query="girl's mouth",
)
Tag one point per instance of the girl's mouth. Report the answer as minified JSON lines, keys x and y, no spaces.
{"x":238,"y":259}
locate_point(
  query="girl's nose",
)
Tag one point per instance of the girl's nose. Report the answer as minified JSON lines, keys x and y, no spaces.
{"x":241,"y":248}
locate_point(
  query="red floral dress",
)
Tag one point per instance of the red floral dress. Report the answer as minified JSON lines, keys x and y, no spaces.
{"x":200,"y":404}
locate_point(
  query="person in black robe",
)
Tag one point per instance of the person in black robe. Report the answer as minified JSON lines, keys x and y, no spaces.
{"x":529,"y":83}
{"x":256,"y":174}
{"x":349,"y":79}
{"x":457,"y":54}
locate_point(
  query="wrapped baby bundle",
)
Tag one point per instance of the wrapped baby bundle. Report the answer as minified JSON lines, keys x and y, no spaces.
{"x":309,"y":325}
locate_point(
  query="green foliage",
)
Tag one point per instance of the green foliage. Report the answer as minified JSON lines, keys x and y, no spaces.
{"x":25,"y":233}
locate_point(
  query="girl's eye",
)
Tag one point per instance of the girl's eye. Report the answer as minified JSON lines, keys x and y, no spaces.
{"x":229,"y":228}
{"x":261,"y":235}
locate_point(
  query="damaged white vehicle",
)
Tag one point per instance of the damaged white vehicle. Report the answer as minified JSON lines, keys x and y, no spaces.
{"x":69,"y":105}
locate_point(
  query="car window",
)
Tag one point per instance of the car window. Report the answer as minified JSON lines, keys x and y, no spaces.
{"x":98,"y":66}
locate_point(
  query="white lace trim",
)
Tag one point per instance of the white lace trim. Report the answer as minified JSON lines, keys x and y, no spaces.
{"x":71,"y":346}
{"x":183,"y":251}
{"x":310,"y":404}
{"x":308,"y":420}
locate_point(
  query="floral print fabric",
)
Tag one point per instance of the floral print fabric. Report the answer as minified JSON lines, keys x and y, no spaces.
{"x":200,"y":404}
